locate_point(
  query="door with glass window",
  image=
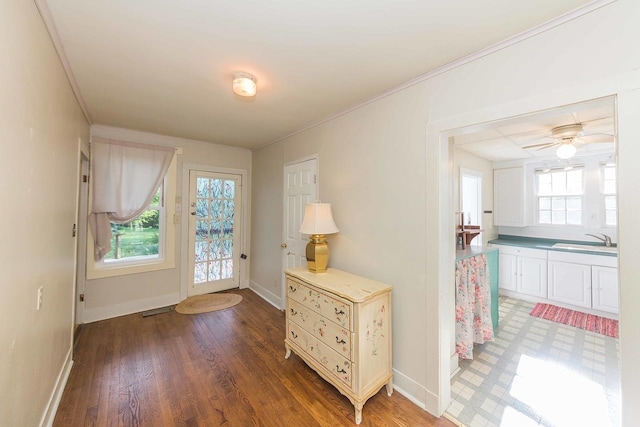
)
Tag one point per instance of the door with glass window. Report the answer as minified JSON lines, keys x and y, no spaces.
{"x":214,"y":231}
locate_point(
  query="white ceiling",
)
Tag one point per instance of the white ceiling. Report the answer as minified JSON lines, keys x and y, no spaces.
{"x":165,"y":66}
{"x":505,"y":140}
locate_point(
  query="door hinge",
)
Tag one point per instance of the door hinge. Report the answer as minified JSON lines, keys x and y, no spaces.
{"x":314,"y":179}
{"x":85,"y":178}
{"x":81,"y":297}
{"x":73,"y":231}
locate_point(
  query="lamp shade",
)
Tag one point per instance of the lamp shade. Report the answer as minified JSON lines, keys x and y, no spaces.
{"x":318,"y":219}
{"x":566,"y":151}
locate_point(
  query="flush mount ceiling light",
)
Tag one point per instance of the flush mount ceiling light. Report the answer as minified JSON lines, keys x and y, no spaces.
{"x":244,"y":84}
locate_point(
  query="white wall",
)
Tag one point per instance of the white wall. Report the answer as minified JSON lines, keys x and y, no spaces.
{"x":115,"y":296}
{"x":386,"y":166}
{"x":40,"y":127}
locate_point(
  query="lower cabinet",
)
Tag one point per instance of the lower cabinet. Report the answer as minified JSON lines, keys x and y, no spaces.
{"x":584,"y":280}
{"x":570,"y":283}
{"x":523,"y":270}
{"x":604,"y":281}
{"x":573,"y":279}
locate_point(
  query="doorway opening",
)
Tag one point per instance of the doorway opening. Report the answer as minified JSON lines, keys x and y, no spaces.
{"x":514,"y":380}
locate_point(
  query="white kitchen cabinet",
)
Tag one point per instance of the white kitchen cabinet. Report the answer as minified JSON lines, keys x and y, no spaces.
{"x":605,"y":288}
{"x":507,"y":272}
{"x":570,"y":283}
{"x":523,"y":271}
{"x":508,"y":197}
{"x":584,"y":280}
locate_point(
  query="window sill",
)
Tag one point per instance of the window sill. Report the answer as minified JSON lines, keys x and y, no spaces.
{"x":122,"y":270}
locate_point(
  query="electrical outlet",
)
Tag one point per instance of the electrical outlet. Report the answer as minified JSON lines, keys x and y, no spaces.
{"x":40,"y":292}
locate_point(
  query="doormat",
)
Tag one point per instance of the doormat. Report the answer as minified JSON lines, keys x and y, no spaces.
{"x":207,"y":302}
{"x":577,"y":319}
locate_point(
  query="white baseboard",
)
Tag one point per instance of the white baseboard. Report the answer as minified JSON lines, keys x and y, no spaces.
{"x":416,"y":393}
{"x":102,"y":313}
{"x":56,"y":394}
{"x":266,"y":295}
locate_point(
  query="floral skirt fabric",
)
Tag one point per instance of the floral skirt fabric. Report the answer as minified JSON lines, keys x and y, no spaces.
{"x":473,"y":304}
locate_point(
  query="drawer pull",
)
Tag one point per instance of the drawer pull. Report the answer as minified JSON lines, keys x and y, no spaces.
{"x":292,"y":288}
{"x":294,"y":335}
{"x":340,"y":371}
{"x":339,"y":313}
{"x":340,"y":341}
{"x":293,"y":312}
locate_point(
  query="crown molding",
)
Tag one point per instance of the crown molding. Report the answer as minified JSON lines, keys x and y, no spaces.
{"x":132,"y":135}
{"x":45,"y":13}
{"x":555,"y":22}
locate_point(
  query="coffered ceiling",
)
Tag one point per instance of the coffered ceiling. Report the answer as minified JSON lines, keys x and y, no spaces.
{"x":165,"y":66}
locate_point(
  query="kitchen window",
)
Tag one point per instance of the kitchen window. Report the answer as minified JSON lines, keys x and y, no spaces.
{"x":608,"y":191}
{"x":560,"y":196}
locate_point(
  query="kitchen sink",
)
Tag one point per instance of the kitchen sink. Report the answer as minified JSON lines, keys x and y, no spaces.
{"x":592,"y":248}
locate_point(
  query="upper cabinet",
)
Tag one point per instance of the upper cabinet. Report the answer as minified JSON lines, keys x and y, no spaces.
{"x":509,"y":197}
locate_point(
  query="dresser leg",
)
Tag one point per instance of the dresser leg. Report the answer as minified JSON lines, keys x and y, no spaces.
{"x":390,"y":387}
{"x":358,"y":408}
{"x":288,"y":353}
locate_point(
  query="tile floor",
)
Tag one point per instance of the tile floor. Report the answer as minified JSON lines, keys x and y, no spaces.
{"x":538,"y":373}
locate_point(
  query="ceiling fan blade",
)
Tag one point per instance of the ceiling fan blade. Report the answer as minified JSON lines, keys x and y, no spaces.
{"x":602,"y":139}
{"x":543,"y":145}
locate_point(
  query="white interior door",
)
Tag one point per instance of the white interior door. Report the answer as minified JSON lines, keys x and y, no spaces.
{"x":300,"y":188}
{"x":214,"y":231}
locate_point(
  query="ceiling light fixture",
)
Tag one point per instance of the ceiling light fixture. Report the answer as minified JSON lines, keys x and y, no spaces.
{"x":566,"y":150}
{"x":244,"y":84}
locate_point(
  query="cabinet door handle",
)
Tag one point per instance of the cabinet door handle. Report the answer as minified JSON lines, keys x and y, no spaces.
{"x":340,"y":341}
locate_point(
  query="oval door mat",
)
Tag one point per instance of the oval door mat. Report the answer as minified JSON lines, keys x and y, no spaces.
{"x":207,"y":302}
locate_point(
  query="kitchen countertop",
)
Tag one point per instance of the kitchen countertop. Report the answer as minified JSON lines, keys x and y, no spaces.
{"x":547,"y":244}
{"x":471,"y":251}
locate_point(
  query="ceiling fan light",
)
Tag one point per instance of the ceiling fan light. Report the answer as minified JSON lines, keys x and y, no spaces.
{"x":244,"y":84}
{"x":566,"y":151}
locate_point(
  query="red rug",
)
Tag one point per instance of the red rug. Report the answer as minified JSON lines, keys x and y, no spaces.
{"x":590,"y":322}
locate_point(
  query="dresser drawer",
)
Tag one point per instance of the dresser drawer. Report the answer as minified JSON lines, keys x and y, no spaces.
{"x":338,"y":366}
{"x":328,"y":306}
{"x":336,"y":337}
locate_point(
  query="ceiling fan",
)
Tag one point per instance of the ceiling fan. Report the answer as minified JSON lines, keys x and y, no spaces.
{"x":566,"y":137}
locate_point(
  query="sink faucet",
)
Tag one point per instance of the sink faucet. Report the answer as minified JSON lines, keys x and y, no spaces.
{"x":606,"y":239}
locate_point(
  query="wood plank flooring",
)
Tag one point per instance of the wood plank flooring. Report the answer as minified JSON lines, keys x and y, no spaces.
{"x":225,"y":368}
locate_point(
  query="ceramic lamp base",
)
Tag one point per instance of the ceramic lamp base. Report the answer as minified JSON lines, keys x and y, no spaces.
{"x":317,"y":254}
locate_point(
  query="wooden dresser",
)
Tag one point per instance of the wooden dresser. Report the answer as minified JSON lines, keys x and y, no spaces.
{"x":340,"y":325}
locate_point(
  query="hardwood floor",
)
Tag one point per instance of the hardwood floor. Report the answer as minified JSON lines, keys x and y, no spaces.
{"x":213,"y":369}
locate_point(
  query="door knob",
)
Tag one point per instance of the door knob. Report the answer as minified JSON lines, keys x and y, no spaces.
{"x":283,"y":245}
{"x":193,"y":213}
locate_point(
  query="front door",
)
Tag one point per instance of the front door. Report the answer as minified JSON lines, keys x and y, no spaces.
{"x":300,"y":188}
{"x":214,"y":231}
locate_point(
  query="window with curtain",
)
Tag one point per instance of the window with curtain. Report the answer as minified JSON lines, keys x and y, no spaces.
{"x":141,"y":239}
{"x":560,"y":196}
{"x":129,"y":209}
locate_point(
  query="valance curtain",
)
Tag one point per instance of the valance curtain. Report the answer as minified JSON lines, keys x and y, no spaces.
{"x":473,"y":304}
{"x":125,"y":177}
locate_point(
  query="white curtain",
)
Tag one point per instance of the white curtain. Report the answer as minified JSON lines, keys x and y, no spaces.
{"x":125,"y":177}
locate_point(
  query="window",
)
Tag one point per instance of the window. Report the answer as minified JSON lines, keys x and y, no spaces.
{"x":143,"y":246}
{"x":608,"y":186}
{"x":139,"y":240}
{"x":560,"y":196}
